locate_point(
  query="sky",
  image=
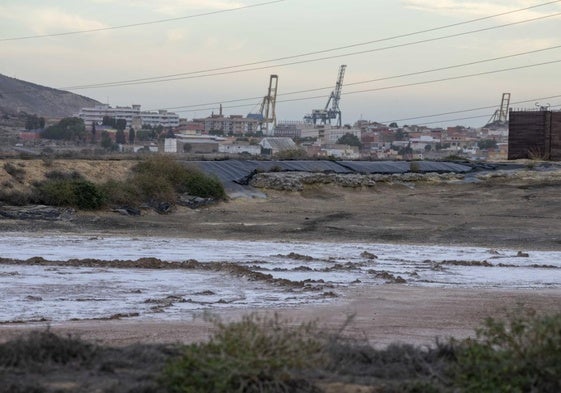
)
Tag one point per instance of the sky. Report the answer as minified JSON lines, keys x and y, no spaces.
{"x":425,"y":62}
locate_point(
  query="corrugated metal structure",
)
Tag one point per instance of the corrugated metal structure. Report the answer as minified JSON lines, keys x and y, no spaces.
{"x":535,"y":135}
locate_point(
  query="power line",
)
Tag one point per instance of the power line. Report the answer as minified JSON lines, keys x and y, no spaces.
{"x":151,"y":80}
{"x":140,"y":23}
{"x":164,"y":78}
{"x":382,"y":78}
{"x":396,"y":86}
{"x":468,"y":110}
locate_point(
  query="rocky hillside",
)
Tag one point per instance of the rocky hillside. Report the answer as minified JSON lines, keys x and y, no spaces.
{"x":20,"y":96}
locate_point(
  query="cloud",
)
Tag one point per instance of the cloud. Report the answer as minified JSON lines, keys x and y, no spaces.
{"x":176,"y":35}
{"x":475,"y":8}
{"x":48,"y":20}
{"x":173,"y":7}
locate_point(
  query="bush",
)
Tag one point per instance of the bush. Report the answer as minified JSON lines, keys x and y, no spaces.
{"x":15,"y":198}
{"x":180,"y":178}
{"x":14,"y":171}
{"x":199,"y":184}
{"x":522,"y":354}
{"x":253,"y":355}
{"x":77,"y":193}
{"x":40,"y":348}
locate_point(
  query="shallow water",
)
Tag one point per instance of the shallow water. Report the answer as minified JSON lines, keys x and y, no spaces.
{"x":58,"y":293}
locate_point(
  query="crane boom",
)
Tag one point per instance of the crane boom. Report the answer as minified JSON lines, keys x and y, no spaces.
{"x":331,"y":110}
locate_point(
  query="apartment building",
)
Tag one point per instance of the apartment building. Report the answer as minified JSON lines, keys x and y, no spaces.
{"x":132,"y":114}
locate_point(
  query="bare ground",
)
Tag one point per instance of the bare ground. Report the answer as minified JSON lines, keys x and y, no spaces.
{"x":517,"y":213}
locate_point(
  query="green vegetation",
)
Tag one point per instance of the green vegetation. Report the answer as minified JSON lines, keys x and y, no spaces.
{"x":69,"y":128}
{"x":70,"y":191}
{"x":177,"y":178}
{"x":156,"y":181}
{"x":521,"y":354}
{"x":253,"y":355}
{"x":18,"y":173}
{"x":349,"y":139}
{"x":34,"y":122}
{"x":265,"y":354}
{"x":487,"y":144}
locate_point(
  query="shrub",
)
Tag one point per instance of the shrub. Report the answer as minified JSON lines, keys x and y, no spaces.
{"x":521,"y":354}
{"x":38,"y":348}
{"x":199,"y":184}
{"x":181,"y":179}
{"x":14,"y":171}
{"x":253,"y":355}
{"x":14,"y":197}
{"x":77,"y":193}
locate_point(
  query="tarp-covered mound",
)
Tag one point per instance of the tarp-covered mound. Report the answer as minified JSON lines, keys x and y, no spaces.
{"x":234,"y":174}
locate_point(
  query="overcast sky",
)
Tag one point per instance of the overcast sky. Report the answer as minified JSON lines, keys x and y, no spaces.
{"x":211,"y":34}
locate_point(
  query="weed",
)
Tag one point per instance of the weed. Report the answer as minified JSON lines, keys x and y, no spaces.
{"x":253,"y":355}
{"x":77,"y":193}
{"x":14,"y":197}
{"x":521,"y":354}
{"x":44,"y":347}
{"x":18,"y":173}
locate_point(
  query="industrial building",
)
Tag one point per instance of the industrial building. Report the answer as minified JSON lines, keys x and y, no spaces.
{"x":534,"y":134}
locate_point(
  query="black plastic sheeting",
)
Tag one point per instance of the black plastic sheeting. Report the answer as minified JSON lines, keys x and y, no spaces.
{"x":232,"y":172}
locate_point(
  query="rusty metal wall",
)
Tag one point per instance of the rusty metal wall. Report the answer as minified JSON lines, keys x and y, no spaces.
{"x":527,"y":135}
{"x":555,"y":122}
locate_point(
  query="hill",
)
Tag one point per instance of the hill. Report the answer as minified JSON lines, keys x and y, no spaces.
{"x":21,"y":96}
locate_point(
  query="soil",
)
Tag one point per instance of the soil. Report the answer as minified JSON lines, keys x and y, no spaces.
{"x":500,"y":212}
{"x":517,"y":214}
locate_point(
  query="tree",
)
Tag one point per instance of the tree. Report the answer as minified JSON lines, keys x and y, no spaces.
{"x":487,"y":144}
{"x":132,"y":135}
{"x":33,"y":122}
{"x":401,"y":135}
{"x":349,"y":139}
{"x":393,"y":125}
{"x":120,"y":137}
{"x":93,"y":131}
{"x":69,"y":128}
{"x":108,"y":121}
{"x":106,"y":141}
{"x":120,"y":124}
{"x":428,"y":148}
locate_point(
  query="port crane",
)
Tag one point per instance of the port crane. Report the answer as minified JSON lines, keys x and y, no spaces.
{"x":267,"y":114}
{"x":500,"y":117}
{"x":331,"y":110}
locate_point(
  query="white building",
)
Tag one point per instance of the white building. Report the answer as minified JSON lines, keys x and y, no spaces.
{"x":332,"y":135}
{"x":132,"y":114}
{"x":239,"y":148}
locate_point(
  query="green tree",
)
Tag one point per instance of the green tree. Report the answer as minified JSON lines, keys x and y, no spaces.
{"x":401,"y":135}
{"x":120,"y":124}
{"x":106,"y":141}
{"x":69,"y":128}
{"x":132,"y":135}
{"x":120,"y":137}
{"x":108,"y":121}
{"x":93,"y":131}
{"x":33,"y":122}
{"x":487,"y":144}
{"x":349,"y":139}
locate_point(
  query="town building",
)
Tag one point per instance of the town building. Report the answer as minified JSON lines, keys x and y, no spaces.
{"x":228,"y":125}
{"x":132,"y":114}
